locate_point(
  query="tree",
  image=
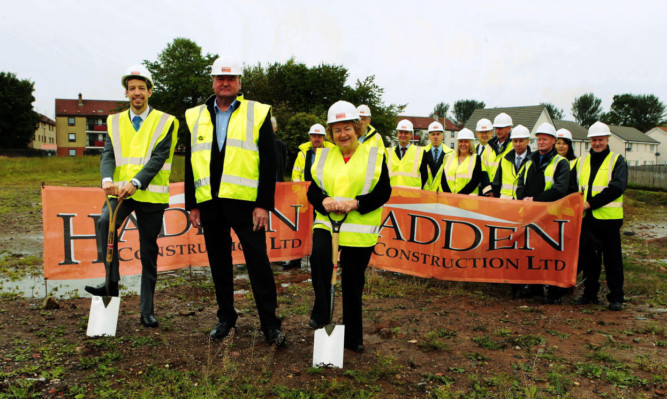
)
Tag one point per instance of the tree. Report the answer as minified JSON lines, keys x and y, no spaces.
{"x":296,"y":130}
{"x":440,"y":110}
{"x":18,"y":121}
{"x":554,"y":112}
{"x":463,"y":109}
{"x":182,"y":79}
{"x":643,"y":112}
{"x":586,"y":109}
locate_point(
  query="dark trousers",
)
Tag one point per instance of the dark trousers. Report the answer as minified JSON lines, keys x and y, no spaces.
{"x":605,"y":237}
{"x":149,"y":225}
{"x":218,"y":217}
{"x":353,"y":263}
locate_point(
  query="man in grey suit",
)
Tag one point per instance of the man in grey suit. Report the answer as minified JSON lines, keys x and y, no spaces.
{"x":135,"y":166}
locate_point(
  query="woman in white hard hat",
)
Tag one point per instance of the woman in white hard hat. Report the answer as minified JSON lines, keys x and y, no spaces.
{"x":564,"y":146}
{"x":352,"y":180}
{"x":462,"y":171}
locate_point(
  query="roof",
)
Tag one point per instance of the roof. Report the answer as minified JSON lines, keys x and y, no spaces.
{"x":45,"y":119}
{"x":627,"y":133}
{"x":526,"y":116}
{"x":66,"y":107}
{"x":422,"y":122}
{"x":579,"y":132}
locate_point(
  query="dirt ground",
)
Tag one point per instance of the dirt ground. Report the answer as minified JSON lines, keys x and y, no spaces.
{"x":422,"y":337}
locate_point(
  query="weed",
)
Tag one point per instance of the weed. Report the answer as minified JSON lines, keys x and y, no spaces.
{"x":502,"y":332}
{"x":559,"y":383}
{"x":476,"y":356}
{"x":558,"y":334}
{"x":486,"y":343}
{"x":433,"y":342}
{"x":527,"y":341}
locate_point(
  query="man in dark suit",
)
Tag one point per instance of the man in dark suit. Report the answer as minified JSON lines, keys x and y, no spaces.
{"x":434,"y":153}
{"x":135,"y":165}
{"x":230,"y":179}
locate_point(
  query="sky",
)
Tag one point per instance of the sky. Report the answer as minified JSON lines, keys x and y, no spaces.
{"x":505,"y":53}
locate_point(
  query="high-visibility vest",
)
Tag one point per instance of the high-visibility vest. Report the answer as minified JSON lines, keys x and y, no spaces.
{"x":432,"y":184}
{"x":457,"y":175}
{"x":491,"y":160}
{"x":133,"y":149}
{"x":346,"y":181}
{"x":549,"y":171}
{"x":373,"y":138}
{"x":612,"y":210}
{"x":240,"y":174}
{"x":405,"y":172}
{"x":298,"y":171}
{"x":573,"y":163}
{"x":509,"y":179}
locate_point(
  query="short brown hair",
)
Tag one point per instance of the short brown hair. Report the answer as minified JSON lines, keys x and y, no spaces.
{"x":357,"y":129}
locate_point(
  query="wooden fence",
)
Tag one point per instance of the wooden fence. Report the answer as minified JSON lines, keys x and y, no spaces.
{"x":648,"y":176}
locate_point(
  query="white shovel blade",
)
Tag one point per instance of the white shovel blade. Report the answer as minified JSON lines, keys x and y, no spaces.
{"x":328,"y":349}
{"x":103,"y":320}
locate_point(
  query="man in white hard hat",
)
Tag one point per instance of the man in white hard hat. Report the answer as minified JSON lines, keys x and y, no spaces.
{"x":544,"y":178}
{"x":406,"y":167}
{"x":230,"y":178}
{"x":135,"y":165}
{"x":602,"y":176}
{"x":484,"y":131}
{"x":497,"y":147}
{"x":372,"y":136}
{"x":434,"y":153}
{"x":505,"y":182}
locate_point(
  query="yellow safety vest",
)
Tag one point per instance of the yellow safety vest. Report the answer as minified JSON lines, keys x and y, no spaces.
{"x":405,"y":172}
{"x":457,"y":175}
{"x":432,"y":184}
{"x":548,"y":171}
{"x":346,"y":181}
{"x":376,"y":140}
{"x":614,"y":209}
{"x":240,"y":173}
{"x":573,"y":163}
{"x":509,"y":179}
{"x":491,"y":160}
{"x":133,"y":149}
{"x":298,"y":171}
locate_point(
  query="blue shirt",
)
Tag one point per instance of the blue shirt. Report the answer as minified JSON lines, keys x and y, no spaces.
{"x":222,"y":121}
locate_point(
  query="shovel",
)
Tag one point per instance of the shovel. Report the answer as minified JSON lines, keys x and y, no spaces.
{"x":104,"y":310}
{"x":329,"y":340}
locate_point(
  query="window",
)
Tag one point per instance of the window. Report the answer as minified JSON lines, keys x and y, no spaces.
{"x":628,"y":146}
{"x":452,"y":134}
{"x":70,"y":121}
{"x":72,"y":137}
{"x":72,"y":153}
{"x":586,"y":147}
{"x":451,"y":145}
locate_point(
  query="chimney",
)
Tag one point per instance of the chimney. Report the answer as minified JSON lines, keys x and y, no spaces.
{"x":80,"y":100}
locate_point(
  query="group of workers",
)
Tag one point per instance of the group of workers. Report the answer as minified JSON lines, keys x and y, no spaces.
{"x":230,"y":177}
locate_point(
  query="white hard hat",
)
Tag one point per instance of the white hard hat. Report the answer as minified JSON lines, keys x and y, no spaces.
{"x":317,"y":129}
{"x":520,"y":132}
{"x":465,"y":134}
{"x":137,"y":71}
{"x":342,"y":111}
{"x":564,"y":134}
{"x":405,"y":125}
{"x":435,"y":126}
{"x":502,"y":120}
{"x":484,"y":125}
{"x":364,"y":110}
{"x":226,"y":66}
{"x":546,"y":128}
{"x":598,"y":129}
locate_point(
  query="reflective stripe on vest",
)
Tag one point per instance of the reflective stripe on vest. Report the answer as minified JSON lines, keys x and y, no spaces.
{"x":491,"y":159}
{"x":345,"y":181}
{"x":612,"y":210}
{"x":509,"y":179}
{"x":459,"y":175}
{"x":132,"y":151}
{"x":548,"y":171}
{"x":405,"y":172}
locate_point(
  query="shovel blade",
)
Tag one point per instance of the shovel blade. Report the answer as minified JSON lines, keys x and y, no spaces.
{"x":103,"y":318}
{"x":328,"y":348}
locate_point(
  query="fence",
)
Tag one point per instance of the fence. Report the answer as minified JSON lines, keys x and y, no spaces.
{"x":648,"y":176}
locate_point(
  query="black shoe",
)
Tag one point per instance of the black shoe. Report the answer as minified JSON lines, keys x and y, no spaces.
{"x":148,"y":320}
{"x":584,"y":300}
{"x":221,"y":330}
{"x":293,"y":264}
{"x":355,"y":348}
{"x":616,"y":306}
{"x":315,"y":325}
{"x":275,"y":337}
{"x":102,"y":289}
{"x":552,"y":300}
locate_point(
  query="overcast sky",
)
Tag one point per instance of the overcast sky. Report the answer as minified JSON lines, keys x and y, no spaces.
{"x":505,"y":53}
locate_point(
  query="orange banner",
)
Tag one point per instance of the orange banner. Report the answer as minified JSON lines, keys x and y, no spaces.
{"x":470,"y":238}
{"x":70,"y":217}
{"x":445,"y":236}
